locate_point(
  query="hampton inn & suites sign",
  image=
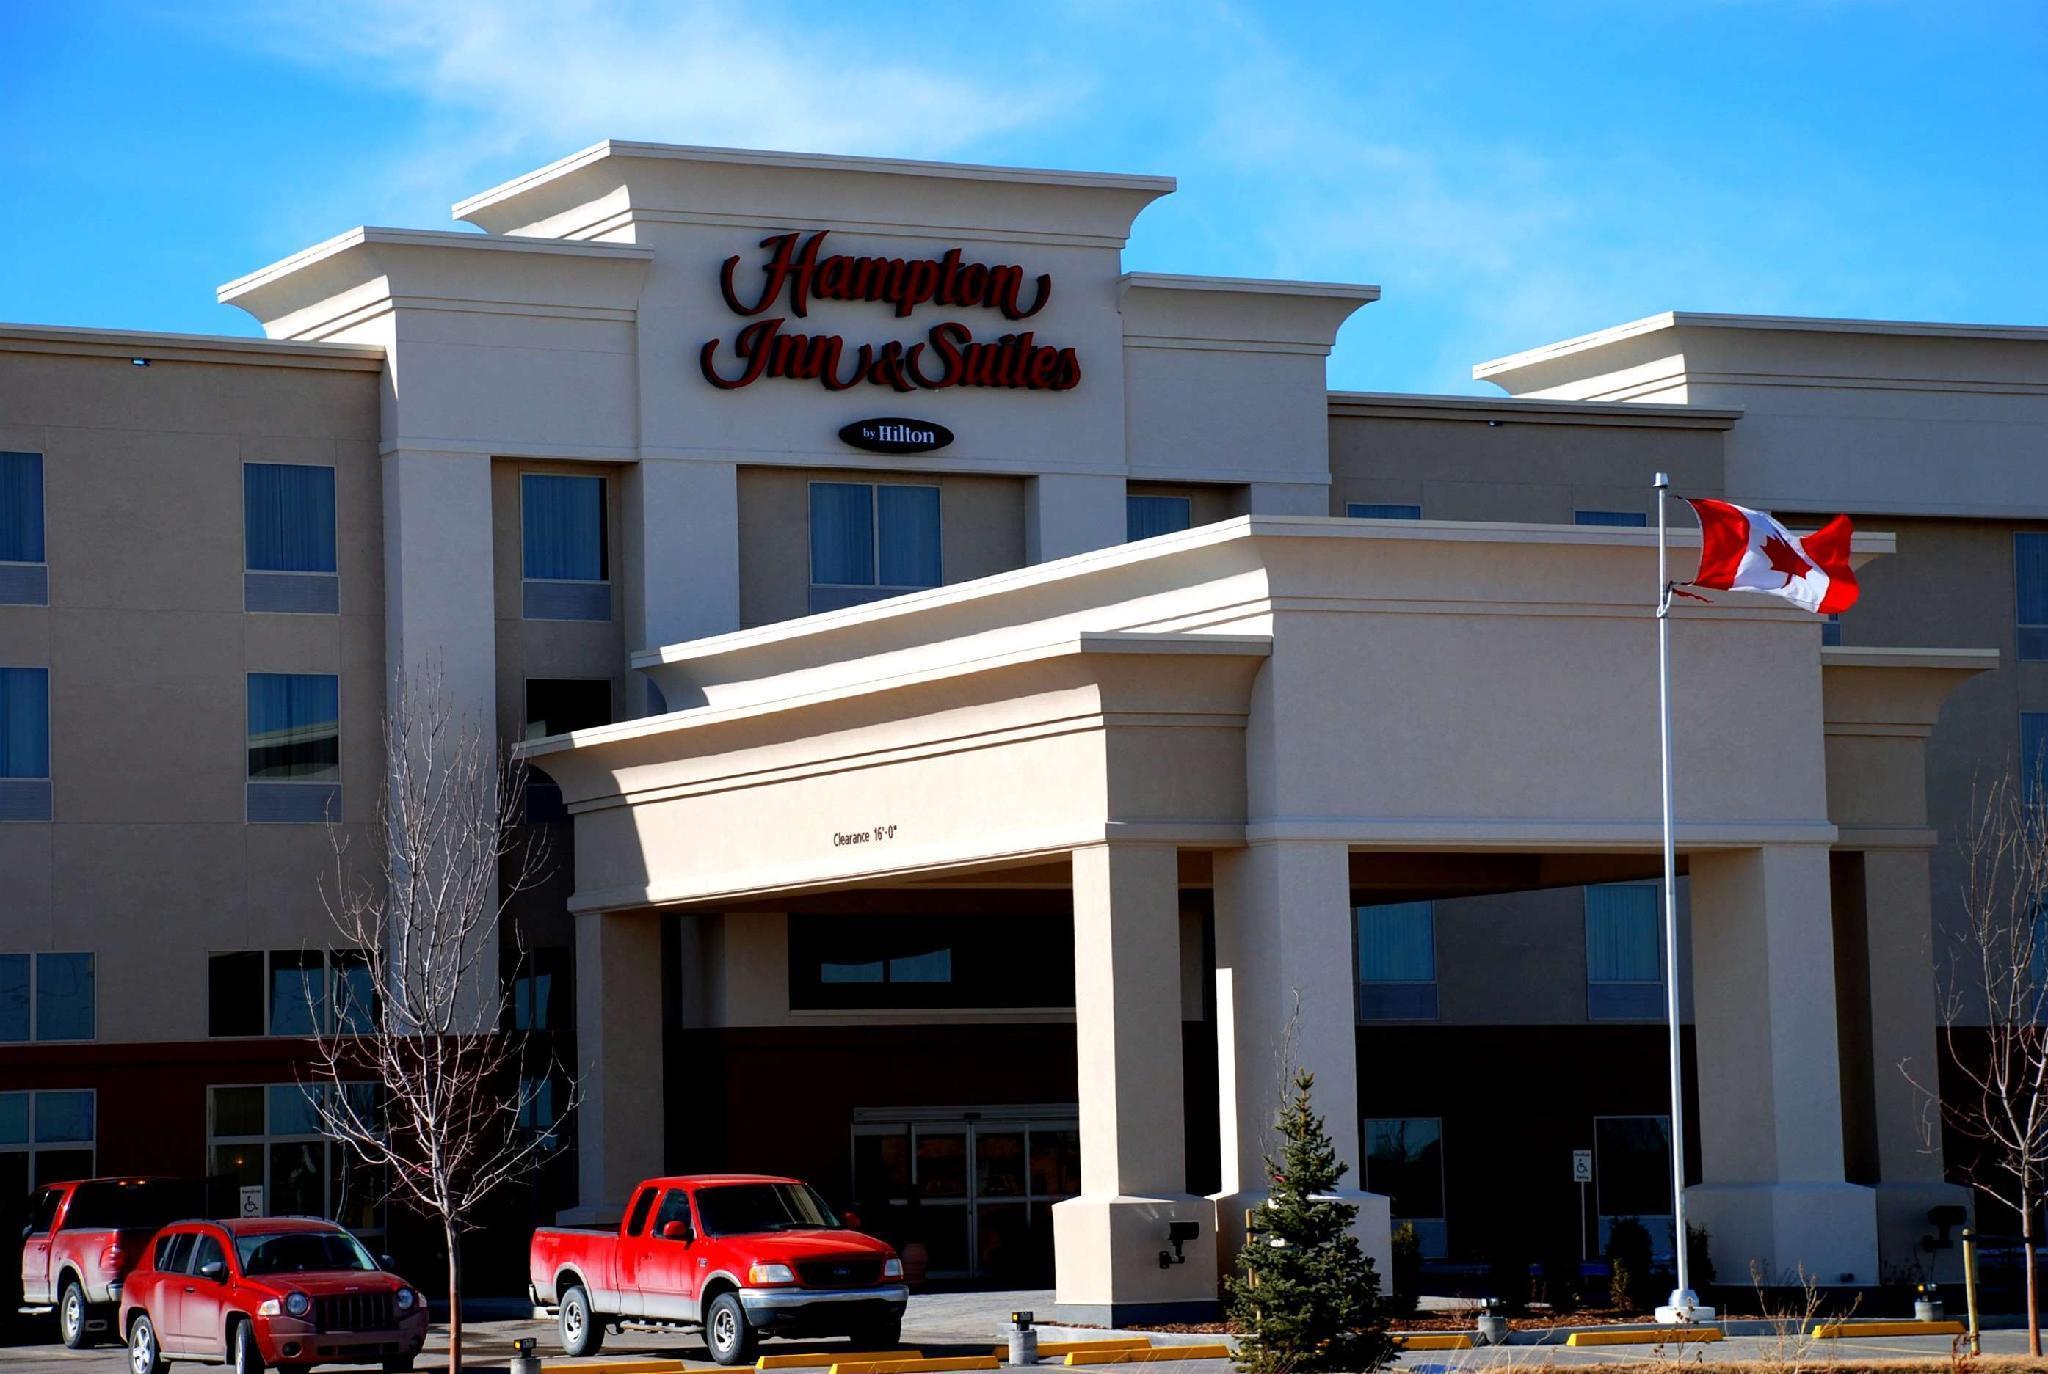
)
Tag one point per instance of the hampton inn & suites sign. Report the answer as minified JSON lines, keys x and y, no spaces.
{"x":798,"y":272}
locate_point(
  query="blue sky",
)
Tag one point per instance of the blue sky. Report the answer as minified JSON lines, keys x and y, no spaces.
{"x":1510,"y":174}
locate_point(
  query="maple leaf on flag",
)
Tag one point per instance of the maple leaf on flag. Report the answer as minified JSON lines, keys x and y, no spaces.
{"x":1785,"y":559}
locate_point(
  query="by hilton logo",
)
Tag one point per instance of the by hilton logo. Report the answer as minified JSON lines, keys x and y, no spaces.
{"x":894,"y":434}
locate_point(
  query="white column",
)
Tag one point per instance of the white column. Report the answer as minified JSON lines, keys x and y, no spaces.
{"x":1903,"y":1019}
{"x":1286,"y":997}
{"x":682,"y":558}
{"x":1770,"y":1113}
{"x":619,"y":1135}
{"x":1127,"y":1026}
{"x":439,"y":609}
{"x":1068,"y":513}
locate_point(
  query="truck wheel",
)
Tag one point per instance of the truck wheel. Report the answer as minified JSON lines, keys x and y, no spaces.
{"x":246,"y":1357}
{"x":582,"y":1329}
{"x":72,"y":1316}
{"x":144,"y":1356}
{"x":726,"y":1331}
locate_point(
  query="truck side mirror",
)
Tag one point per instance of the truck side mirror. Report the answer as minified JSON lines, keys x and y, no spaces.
{"x":675,"y":1230}
{"x":851,"y":1219}
{"x":213,"y":1270}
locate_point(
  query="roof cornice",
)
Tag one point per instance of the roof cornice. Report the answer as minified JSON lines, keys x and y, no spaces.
{"x":807,"y":162}
{"x":1387,"y":405}
{"x":130,"y":344}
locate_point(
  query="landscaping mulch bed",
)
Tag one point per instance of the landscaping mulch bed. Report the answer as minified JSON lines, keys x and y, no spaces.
{"x":1535,"y":1320}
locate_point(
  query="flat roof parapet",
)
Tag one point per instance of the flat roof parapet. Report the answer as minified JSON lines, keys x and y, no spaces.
{"x":193,"y":348}
{"x":1525,"y":410}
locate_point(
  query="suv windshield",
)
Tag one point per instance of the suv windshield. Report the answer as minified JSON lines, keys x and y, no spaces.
{"x":140,"y":1204}
{"x":302,"y":1252}
{"x":746,"y":1209}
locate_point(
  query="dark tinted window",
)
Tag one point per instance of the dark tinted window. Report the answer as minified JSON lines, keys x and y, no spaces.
{"x":302,"y":1252}
{"x":558,"y":704}
{"x":641,"y":1206}
{"x":174,"y":1254}
{"x":748,"y":1209}
{"x":675,"y":1206}
{"x":206,"y":1249}
{"x":45,"y":1210}
{"x":931,"y":961}
{"x":234,"y":993}
{"x":110,"y":1204}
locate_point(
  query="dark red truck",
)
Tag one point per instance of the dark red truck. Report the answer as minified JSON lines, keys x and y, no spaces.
{"x":81,"y":1240}
{"x":741,"y":1255}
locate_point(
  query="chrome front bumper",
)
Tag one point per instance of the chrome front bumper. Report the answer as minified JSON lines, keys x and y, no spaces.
{"x":780,"y":1300}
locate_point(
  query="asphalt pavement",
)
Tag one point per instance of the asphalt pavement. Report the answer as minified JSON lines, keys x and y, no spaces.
{"x":949,"y":1323}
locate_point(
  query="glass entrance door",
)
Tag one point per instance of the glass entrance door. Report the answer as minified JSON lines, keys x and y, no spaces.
{"x":975,"y":1187}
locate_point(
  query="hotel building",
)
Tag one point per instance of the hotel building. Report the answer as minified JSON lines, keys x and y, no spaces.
{"x":997,"y":712}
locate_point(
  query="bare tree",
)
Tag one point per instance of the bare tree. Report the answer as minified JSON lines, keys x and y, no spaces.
{"x":457,"y":1105}
{"x":1998,"y":969}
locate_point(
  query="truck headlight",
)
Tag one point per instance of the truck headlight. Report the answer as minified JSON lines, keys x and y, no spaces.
{"x":892,"y":1269}
{"x":404,"y":1300}
{"x":770,"y":1273}
{"x":297,"y":1304}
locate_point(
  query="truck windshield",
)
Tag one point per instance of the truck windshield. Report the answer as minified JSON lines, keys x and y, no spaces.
{"x":302,"y":1252}
{"x":138,"y":1204}
{"x":746,"y":1209}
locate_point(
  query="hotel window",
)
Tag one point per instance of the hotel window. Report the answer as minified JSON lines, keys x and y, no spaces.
{"x":842,"y":964}
{"x":46,"y":1137}
{"x":1373,"y":510}
{"x":1404,"y":1159}
{"x":1624,"y":952}
{"x":289,"y":992}
{"x":47,"y":997}
{"x":24,"y":569}
{"x":2030,"y":571}
{"x":294,"y":747}
{"x":288,"y":539}
{"x":2033,"y":763}
{"x":1626,"y":518}
{"x":870,"y":541}
{"x":1632,"y":1176}
{"x":268,"y":1135}
{"x":566,"y":549}
{"x":541,"y":983}
{"x":1147,"y":516}
{"x":555,"y":706}
{"x":1831,"y":630}
{"x":1397,"y":962}
{"x":24,"y":744}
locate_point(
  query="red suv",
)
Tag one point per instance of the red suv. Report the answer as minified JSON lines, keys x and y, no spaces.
{"x":290,"y":1291}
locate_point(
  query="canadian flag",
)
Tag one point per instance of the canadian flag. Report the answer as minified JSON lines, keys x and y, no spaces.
{"x":1744,"y":550}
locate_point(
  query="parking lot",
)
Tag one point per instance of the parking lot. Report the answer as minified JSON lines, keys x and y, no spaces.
{"x":968,"y":1323}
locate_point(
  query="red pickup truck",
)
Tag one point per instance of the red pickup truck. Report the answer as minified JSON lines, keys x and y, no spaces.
{"x":740,"y":1255}
{"x":82,"y":1239}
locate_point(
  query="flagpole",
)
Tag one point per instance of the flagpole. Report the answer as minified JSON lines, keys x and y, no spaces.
{"x":1683,"y":1305}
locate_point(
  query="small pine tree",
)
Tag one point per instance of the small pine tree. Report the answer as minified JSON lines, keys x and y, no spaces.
{"x":1305,"y":1298}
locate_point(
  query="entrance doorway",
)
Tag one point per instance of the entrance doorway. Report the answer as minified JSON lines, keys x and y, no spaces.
{"x":974,"y":1186}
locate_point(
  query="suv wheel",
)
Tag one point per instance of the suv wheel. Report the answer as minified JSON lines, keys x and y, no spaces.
{"x":247,"y":1357}
{"x":582,"y":1329}
{"x":726,"y":1331}
{"x":72,"y":1316}
{"x":144,"y":1356}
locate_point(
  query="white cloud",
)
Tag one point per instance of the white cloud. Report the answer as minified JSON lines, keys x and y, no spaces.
{"x":535,"y":79}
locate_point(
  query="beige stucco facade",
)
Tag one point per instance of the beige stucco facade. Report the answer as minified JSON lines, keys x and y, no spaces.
{"x":1184,"y":764}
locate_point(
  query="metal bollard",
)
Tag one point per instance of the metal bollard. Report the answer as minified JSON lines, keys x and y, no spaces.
{"x":524,"y":1361}
{"x":1023,"y":1339}
{"x":1970,"y":1287}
